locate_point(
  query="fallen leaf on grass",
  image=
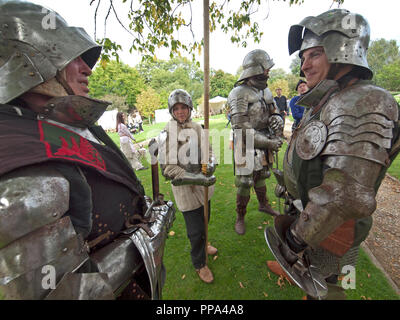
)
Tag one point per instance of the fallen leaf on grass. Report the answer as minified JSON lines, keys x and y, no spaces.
{"x":281,"y":282}
{"x":259,"y":227}
{"x":183,"y":276}
{"x":171,"y":233}
{"x":241,"y":285}
{"x":265,"y":294}
{"x":269,"y":276}
{"x":215,"y":258}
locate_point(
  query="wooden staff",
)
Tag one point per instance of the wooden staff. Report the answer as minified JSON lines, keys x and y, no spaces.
{"x":206,"y":29}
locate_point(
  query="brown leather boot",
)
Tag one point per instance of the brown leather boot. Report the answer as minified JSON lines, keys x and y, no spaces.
{"x":276,"y":268}
{"x":241,"y":205}
{"x":205,"y":274}
{"x":264,"y":206}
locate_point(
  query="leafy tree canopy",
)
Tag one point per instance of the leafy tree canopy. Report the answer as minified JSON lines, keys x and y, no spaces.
{"x":154,"y":24}
{"x":221,"y":83}
{"x":177,"y":73}
{"x":147,"y":102}
{"x":384,"y":60}
{"x":117,"y":79}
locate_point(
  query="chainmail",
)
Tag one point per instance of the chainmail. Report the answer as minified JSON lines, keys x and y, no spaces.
{"x":329,"y":264}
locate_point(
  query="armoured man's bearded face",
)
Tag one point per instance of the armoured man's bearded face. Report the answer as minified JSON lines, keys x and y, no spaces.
{"x":260,"y":81}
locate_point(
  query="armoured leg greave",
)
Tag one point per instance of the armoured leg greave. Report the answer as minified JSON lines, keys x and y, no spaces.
{"x":241,"y":205}
{"x":264,"y":206}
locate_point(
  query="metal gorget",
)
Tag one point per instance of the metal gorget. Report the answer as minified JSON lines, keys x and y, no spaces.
{"x":78,"y":111}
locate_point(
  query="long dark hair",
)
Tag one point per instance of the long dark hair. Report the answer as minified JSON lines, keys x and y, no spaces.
{"x":120,"y":119}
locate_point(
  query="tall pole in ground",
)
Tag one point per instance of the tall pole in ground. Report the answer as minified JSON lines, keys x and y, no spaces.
{"x":205,"y":152}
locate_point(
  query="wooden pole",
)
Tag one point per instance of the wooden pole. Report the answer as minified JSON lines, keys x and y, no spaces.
{"x":206,"y":29}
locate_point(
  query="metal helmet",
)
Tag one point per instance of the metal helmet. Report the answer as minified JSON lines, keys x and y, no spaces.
{"x":254,"y":63}
{"x":35,"y":44}
{"x":179,"y":96}
{"x":343,"y":35}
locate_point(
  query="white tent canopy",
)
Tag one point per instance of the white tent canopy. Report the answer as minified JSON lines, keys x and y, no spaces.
{"x":108,"y":120}
{"x":217,"y":104}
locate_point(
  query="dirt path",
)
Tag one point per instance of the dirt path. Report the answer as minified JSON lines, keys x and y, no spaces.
{"x":384,"y":238}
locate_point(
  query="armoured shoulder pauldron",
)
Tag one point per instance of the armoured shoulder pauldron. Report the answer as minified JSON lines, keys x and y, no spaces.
{"x":360,"y":122}
{"x":240,"y":98}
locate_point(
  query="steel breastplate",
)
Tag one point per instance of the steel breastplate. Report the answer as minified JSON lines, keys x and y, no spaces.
{"x":258,"y":114}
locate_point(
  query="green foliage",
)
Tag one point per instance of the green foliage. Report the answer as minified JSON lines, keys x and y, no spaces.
{"x":388,"y":77}
{"x":147,"y":102}
{"x":286,"y":81}
{"x":166,"y":76}
{"x":280,"y":83}
{"x":384,"y":60}
{"x":295,"y":65}
{"x":397,"y":98}
{"x":117,"y":103}
{"x":154,"y":24}
{"x":221,"y":83}
{"x":116,"y":78}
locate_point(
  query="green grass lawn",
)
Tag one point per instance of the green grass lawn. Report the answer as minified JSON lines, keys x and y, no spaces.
{"x":240,"y":267}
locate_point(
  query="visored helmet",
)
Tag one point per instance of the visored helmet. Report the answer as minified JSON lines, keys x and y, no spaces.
{"x":254,"y":63}
{"x":35,"y":45}
{"x":179,"y":96}
{"x":343,"y":35}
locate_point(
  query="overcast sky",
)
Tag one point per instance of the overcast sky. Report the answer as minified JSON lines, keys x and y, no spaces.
{"x":275,"y":20}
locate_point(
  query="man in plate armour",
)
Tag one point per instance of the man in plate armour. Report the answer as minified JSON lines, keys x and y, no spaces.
{"x":74,"y":220}
{"x":257,"y":128}
{"x":337,"y":157}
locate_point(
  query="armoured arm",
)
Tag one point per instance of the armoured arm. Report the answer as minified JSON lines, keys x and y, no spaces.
{"x":261,"y":141}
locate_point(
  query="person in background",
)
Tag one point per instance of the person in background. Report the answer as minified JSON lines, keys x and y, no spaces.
{"x":126,"y":142}
{"x":188,"y":177}
{"x":281,"y":102}
{"x":297,"y":111}
{"x":138,"y":120}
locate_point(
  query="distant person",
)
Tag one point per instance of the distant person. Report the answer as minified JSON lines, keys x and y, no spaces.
{"x":297,"y":111}
{"x":127,"y":146}
{"x":281,"y":102}
{"x":138,"y":121}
